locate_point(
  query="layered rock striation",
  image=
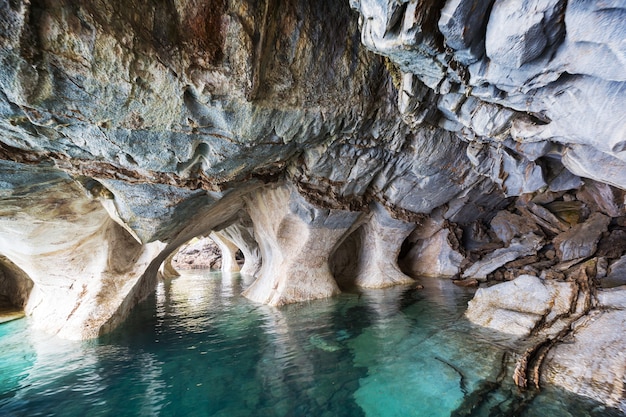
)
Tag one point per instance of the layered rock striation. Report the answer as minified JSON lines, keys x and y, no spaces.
{"x":335,"y":143}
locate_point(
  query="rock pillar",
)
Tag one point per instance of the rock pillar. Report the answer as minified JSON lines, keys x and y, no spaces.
{"x":81,"y":262}
{"x":369,"y":259}
{"x":228,"y":251}
{"x":242,"y":235}
{"x":296,"y":240}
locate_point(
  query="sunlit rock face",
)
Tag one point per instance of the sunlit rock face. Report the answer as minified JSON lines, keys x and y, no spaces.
{"x":335,"y":143}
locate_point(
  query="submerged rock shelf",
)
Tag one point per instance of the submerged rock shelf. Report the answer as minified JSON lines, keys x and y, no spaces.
{"x":335,"y":145}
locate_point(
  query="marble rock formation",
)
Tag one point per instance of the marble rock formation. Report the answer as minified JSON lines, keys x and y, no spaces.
{"x":579,"y":368}
{"x":296,"y":240}
{"x":368,"y":258}
{"x":518,"y":306}
{"x":241,"y":234}
{"x":335,"y":143}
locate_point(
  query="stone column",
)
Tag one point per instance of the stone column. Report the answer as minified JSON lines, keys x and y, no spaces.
{"x":228,"y":251}
{"x":167,"y":270}
{"x":369,"y":256}
{"x":296,"y":240}
{"x":242,"y":235}
{"x":382,"y":238}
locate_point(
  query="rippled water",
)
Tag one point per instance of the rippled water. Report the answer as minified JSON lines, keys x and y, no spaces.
{"x":197,"y":348}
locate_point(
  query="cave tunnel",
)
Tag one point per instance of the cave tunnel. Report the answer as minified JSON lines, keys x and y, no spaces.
{"x":15,"y":287}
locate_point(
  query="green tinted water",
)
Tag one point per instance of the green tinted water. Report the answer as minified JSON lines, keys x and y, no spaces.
{"x":197,"y":348}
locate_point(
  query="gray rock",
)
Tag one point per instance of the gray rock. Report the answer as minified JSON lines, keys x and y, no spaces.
{"x":588,"y":162}
{"x":577,"y":365}
{"x":517,"y":306}
{"x":582,"y":239}
{"x":616,"y":274}
{"x":603,"y":197}
{"x":155,"y":211}
{"x":517,"y":35}
{"x":587,"y":44}
{"x":528,"y":245}
{"x":462,"y":23}
{"x":507,"y":225}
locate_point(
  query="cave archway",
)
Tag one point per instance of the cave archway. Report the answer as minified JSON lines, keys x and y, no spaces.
{"x":15,"y":286}
{"x":344,"y":261}
{"x":230,"y":249}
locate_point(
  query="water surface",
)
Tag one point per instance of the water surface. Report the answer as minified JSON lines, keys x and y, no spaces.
{"x":197,"y":348}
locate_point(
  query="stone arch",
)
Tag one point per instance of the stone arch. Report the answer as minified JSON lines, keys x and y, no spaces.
{"x":236,"y":244}
{"x":241,"y":234}
{"x":216,"y":216}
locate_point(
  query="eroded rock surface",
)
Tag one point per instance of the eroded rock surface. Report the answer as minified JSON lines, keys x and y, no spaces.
{"x":296,"y":240}
{"x":518,"y":306}
{"x":592,"y":362}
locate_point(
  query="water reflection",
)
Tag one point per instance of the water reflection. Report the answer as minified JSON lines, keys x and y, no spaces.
{"x":196,"y":347}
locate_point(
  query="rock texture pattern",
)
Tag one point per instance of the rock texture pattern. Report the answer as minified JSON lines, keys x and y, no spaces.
{"x":335,"y":143}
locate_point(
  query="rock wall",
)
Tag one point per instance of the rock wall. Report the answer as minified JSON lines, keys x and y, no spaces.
{"x":335,"y":143}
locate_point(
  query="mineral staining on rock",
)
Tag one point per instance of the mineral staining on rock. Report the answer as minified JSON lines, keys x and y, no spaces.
{"x":335,"y":143}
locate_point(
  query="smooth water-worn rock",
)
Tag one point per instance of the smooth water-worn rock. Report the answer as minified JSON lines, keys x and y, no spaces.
{"x":296,"y":240}
{"x":577,"y":364}
{"x":241,"y":234}
{"x":437,"y":255}
{"x":369,"y":257}
{"x":516,"y":307}
{"x":228,"y":252}
{"x":314,"y":137}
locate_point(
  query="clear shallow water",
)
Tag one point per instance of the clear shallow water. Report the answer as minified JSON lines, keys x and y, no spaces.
{"x":197,"y":348}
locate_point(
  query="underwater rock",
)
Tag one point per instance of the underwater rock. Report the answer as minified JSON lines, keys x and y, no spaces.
{"x":321,"y":343}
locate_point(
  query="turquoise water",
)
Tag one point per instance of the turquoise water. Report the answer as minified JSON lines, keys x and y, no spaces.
{"x":197,"y":348}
